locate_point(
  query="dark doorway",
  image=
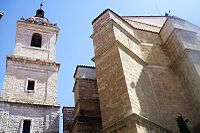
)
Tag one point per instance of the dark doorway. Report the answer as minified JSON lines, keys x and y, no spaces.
{"x":26,"y":126}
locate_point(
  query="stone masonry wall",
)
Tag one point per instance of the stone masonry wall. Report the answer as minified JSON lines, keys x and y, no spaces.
{"x":68,"y":118}
{"x":134,"y":124}
{"x":182,"y":46}
{"x":43,"y":118}
{"x":112,"y":89}
{"x":154,"y":88}
{"x":23,"y":40}
{"x":148,"y":80}
{"x":15,"y":83}
{"x":87,"y":109}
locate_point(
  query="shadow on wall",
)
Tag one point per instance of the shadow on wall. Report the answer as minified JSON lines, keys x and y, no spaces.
{"x":160,"y":94}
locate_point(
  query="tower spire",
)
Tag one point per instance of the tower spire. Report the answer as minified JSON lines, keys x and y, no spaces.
{"x":40,"y":12}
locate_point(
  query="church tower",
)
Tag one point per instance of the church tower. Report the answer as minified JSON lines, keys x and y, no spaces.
{"x":28,"y":102}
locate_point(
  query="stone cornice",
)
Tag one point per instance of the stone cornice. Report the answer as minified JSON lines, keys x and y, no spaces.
{"x":28,"y":104}
{"x":33,"y":61}
{"x":41,"y":27}
{"x":134,"y":119}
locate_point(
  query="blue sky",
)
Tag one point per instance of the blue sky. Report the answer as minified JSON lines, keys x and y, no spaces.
{"x":74,"y":17}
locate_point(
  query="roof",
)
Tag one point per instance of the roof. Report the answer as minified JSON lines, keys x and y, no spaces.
{"x":65,"y":108}
{"x":82,"y":66}
{"x":149,"y":23}
{"x":146,"y":23}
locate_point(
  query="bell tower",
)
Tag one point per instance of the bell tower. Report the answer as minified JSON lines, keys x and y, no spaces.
{"x":29,"y":88}
{"x":32,"y":69}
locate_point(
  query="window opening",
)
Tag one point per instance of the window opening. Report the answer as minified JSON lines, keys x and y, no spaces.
{"x":31,"y":85}
{"x":26,"y":126}
{"x":36,"y":40}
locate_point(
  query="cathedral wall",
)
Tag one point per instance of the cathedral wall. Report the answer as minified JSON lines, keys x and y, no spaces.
{"x":15,"y":83}
{"x":154,"y":89}
{"x":183,"y":48}
{"x":113,"y":94}
{"x":23,"y":41}
{"x":141,"y":92}
{"x":43,"y":119}
{"x":138,"y":62}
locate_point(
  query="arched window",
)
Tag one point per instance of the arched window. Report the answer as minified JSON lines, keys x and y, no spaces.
{"x":36,"y":40}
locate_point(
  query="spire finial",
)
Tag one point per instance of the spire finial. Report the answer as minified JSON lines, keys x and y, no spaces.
{"x":41,"y":4}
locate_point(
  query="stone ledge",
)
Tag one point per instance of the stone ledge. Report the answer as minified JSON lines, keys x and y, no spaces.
{"x":33,"y":61}
{"x":50,"y":27}
{"x":124,"y":123}
{"x":28,"y":104}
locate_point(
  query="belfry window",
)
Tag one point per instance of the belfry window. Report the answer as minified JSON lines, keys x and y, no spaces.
{"x":36,"y":40}
{"x":26,"y":126}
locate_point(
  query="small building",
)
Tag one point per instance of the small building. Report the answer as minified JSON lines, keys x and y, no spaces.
{"x":85,"y":116}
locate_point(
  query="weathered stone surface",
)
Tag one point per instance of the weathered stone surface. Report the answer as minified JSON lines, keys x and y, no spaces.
{"x":68,"y":118}
{"x":24,"y":34}
{"x":86,"y":114}
{"x":134,"y":124}
{"x":15,"y":83}
{"x":43,"y":118}
{"x":37,"y":66}
{"x":150,"y":70}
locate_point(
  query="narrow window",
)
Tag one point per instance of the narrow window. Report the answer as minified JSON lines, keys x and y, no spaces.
{"x":26,"y":126}
{"x":31,"y":85}
{"x":36,"y":40}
